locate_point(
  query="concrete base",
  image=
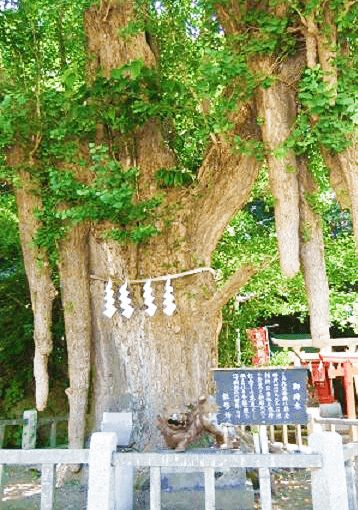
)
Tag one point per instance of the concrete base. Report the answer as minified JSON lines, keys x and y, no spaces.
{"x":182,"y":479}
{"x":226,"y":499}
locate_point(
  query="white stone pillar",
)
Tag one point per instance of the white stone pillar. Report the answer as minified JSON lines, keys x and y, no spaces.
{"x":29,"y":430}
{"x":101,"y":471}
{"x":329,"y":486}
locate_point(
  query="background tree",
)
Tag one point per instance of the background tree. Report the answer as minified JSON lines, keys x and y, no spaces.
{"x":99,"y":138}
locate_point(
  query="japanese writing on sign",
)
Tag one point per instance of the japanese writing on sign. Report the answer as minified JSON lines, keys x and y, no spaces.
{"x":261,"y":396}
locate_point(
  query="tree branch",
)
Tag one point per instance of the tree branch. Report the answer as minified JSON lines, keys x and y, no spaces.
{"x":312,"y":260}
{"x":229,"y":16}
{"x":225,"y":182}
{"x":232,"y":286}
{"x":326,"y":45}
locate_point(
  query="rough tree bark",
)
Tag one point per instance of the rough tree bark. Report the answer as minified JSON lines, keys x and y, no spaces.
{"x":42,"y":290}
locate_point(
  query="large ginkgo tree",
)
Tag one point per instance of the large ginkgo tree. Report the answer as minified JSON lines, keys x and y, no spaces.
{"x":132,"y":132}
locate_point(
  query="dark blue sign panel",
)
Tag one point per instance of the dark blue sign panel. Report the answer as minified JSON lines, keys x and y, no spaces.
{"x":255,"y":396}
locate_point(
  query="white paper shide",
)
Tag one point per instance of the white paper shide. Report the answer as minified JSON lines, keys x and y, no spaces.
{"x":125,"y":301}
{"x":109,"y":308}
{"x":149,"y":298}
{"x":169,"y":305}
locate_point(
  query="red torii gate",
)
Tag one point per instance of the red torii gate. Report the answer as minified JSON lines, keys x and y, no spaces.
{"x":326,"y":366}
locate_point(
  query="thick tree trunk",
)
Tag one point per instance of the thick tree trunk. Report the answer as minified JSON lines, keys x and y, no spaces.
{"x":38,"y":273}
{"x":156,"y":364}
{"x":313,"y":264}
{"x":148,"y":364}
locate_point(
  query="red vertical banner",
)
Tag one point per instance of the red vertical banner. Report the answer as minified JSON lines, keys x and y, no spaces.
{"x":260,"y":342}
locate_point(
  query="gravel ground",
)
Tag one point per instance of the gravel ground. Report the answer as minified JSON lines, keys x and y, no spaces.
{"x":291,"y":490}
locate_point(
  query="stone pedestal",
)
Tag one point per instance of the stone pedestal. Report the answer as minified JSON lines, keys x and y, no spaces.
{"x":185,"y":490}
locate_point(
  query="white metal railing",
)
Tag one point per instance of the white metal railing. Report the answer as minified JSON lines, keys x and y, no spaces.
{"x":285,"y":433}
{"x":337,"y":424}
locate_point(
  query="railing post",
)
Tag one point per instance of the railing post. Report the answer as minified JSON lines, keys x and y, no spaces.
{"x":209,"y":475}
{"x":285,"y":436}
{"x":312,"y":426}
{"x":53,"y":433}
{"x":47,"y":486}
{"x":101,"y":471}
{"x":29,"y":430}
{"x":351,"y":485}
{"x":155,"y":488}
{"x":329,"y":486}
{"x":264,"y":473}
{"x":123,"y":480}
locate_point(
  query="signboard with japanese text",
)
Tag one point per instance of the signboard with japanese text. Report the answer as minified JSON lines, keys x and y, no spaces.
{"x":257,"y":396}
